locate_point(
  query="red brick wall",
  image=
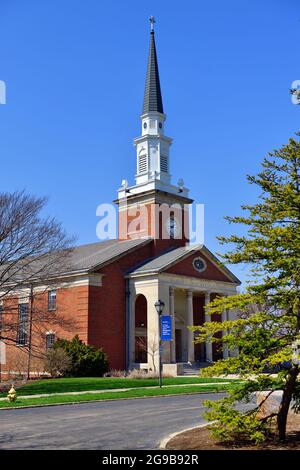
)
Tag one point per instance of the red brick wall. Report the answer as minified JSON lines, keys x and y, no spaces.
{"x":107,"y":322}
{"x":72,"y":305}
{"x":161,"y":243}
{"x":186,"y":268}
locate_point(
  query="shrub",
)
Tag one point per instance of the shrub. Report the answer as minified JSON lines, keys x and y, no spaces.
{"x":57,"y":362}
{"x":86,"y":361}
{"x":144,"y":374}
{"x":115,"y":373}
{"x":230,"y":424}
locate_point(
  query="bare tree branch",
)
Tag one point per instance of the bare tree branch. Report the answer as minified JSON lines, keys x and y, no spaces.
{"x":34,"y":251}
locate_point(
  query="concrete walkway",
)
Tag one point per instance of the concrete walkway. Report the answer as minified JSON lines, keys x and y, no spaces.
{"x":44,"y":395}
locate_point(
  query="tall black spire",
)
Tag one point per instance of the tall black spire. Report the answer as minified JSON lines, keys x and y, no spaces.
{"x":152,"y":96}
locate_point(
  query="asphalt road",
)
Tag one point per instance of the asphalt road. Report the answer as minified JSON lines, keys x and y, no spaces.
{"x":120,"y":424}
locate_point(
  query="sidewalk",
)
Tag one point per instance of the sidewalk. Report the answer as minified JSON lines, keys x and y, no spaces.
{"x":44,"y":395}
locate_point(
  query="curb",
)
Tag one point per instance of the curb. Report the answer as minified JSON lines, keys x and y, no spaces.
{"x":163,"y":443}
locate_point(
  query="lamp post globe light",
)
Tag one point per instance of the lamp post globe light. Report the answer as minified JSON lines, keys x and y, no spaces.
{"x":159,"y":305}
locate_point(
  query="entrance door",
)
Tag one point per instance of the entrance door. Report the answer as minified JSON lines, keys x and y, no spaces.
{"x":200,"y":352}
{"x":178,"y":345}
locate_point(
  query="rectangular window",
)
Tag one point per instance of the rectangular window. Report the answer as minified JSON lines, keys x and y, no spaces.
{"x":50,"y":339}
{"x":22,"y":324}
{"x":52,"y":299}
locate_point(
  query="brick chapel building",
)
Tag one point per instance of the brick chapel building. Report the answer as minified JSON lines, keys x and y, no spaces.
{"x":112,"y":286}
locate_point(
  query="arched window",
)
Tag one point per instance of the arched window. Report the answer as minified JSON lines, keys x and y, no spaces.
{"x":141,"y":329}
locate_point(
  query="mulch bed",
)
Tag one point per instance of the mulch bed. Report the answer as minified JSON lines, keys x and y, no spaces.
{"x":201,"y":439}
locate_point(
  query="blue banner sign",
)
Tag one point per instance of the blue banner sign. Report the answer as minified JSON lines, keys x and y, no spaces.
{"x":166,"y":328}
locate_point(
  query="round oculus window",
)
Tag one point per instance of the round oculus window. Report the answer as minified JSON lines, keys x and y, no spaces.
{"x":199,"y":264}
{"x":160,"y":125}
{"x":145,"y":125}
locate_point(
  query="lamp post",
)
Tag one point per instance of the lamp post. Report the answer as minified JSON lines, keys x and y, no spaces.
{"x":30,"y":333}
{"x":159,"y":305}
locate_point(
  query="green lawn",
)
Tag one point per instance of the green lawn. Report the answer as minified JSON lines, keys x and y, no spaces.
{"x":136,"y":393}
{"x":82,"y":384}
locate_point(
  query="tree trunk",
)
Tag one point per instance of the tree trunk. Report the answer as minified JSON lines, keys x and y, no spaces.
{"x":30,"y":333}
{"x":285,"y":402}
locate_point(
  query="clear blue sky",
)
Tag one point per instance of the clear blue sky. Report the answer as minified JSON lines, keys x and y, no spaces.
{"x":75,"y":75}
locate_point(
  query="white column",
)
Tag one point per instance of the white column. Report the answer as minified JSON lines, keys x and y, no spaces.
{"x":190,"y":322}
{"x":132,"y":326}
{"x":208,"y":344}
{"x":172,"y":313}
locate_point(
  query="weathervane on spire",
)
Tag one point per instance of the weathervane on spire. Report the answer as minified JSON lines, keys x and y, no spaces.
{"x":152,"y":21}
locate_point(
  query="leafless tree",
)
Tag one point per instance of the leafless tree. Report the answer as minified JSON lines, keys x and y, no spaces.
{"x":57,"y":362}
{"x":34,"y":252}
{"x":150,"y":347}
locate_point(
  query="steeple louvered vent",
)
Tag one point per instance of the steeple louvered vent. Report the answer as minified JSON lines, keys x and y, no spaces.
{"x":143,"y":164}
{"x":164,"y":164}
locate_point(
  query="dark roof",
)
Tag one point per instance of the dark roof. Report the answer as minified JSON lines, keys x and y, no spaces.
{"x":91,"y":257}
{"x":84,"y":258}
{"x":162,"y":262}
{"x":94,"y":255}
{"x":170,"y":258}
{"x":152,"y":96}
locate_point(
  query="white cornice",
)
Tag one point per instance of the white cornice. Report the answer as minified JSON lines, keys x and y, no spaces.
{"x":152,"y":185}
{"x":186,"y":283}
{"x":195,"y":284}
{"x":94,"y":280}
{"x":153,"y":114}
{"x":145,"y":137}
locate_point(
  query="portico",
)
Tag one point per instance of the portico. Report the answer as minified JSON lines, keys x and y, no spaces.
{"x":185,"y":299}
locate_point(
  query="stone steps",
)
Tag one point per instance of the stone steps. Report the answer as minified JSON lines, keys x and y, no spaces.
{"x":193,"y":368}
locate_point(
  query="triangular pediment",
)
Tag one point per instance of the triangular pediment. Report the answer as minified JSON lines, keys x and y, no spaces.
{"x":192,"y":261}
{"x":202,"y":265}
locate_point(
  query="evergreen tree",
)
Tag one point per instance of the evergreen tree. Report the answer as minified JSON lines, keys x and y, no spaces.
{"x":266,"y":331}
{"x":85,"y":360}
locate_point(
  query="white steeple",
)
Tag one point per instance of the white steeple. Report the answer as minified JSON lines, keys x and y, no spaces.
{"x":153,"y":146}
